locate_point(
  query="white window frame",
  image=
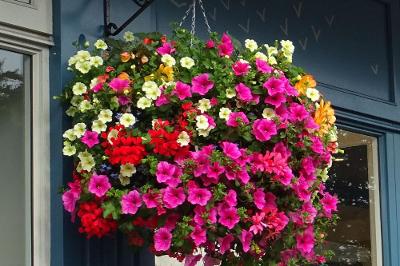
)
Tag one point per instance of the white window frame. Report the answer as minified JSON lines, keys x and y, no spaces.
{"x":36,"y":46}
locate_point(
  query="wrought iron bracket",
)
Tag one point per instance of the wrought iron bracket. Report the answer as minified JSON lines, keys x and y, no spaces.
{"x":110,"y":28}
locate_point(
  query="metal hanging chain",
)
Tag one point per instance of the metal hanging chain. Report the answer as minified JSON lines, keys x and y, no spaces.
{"x":193,"y":30}
{"x":185,"y":16}
{"x":205,"y":16}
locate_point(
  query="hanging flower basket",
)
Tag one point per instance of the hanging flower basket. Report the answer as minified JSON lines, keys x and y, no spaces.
{"x":185,"y":145}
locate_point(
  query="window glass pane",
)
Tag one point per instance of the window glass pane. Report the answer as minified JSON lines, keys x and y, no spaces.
{"x":15,"y":181}
{"x":354,"y":178}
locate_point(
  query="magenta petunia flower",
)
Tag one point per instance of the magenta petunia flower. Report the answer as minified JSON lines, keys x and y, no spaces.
{"x":264,"y":129}
{"x":182,"y":90}
{"x":241,"y":68}
{"x":198,"y":235}
{"x":317,"y":145}
{"x":329,"y":204}
{"x":210,"y":44}
{"x":99,"y":185}
{"x":263,"y":66}
{"x":214,"y":170}
{"x":311,"y":212}
{"x":225,"y":243}
{"x":225,"y":48}
{"x":276,"y":99}
{"x":237,"y":119}
{"x":301,"y":187}
{"x":99,"y":86}
{"x":166,"y":48}
{"x":258,"y":223}
{"x":151,"y":200}
{"x":228,"y":217}
{"x":69,"y":199}
{"x":231,"y":150}
{"x":123,"y":100}
{"x":199,"y":196}
{"x":131,"y":202}
{"x":305,"y":242}
{"x":118,"y":85}
{"x":259,"y":198}
{"x":230,"y":198}
{"x":164,"y":171}
{"x":297,"y":112}
{"x":173,"y":197}
{"x":90,"y":138}
{"x":243,"y":92}
{"x":274,"y":86}
{"x":162,"y":239}
{"x":201,"y":84}
{"x":245,"y":238}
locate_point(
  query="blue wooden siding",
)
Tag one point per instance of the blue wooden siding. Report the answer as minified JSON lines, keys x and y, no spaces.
{"x":352,"y":48}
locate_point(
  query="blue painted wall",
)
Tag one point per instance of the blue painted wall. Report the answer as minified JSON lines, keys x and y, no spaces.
{"x":352,"y":48}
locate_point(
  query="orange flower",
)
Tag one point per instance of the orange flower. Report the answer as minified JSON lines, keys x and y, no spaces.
{"x":124,"y":76}
{"x":125,"y":56}
{"x":166,"y":73}
{"x":103,"y":78}
{"x":324,"y":116}
{"x":306,"y":81}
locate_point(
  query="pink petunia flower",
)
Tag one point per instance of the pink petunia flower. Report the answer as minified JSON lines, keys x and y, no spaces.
{"x":243,"y":92}
{"x":258,"y":224}
{"x":317,"y":145}
{"x":305,"y":242}
{"x":225,"y":48}
{"x":228,"y":217}
{"x":161,"y":100}
{"x":230,"y":198}
{"x":182,"y":90}
{"x":276,"y":100}
{"x":90,"y":138}
{"x":166,"y":48}
{"x":214,"y":170}
{"x":162,"y":239}
{"x":225,"y":243}
{"x":210,"y":44}
{"x":264,"y":129}
{"x":201,"y":84}
{"x":69,"y":199}
{"x":329,"y":204}
{"x":99,"y":185}
{"x":274,"y":86}
{"x":151,"y":200}
{"x":309,"y":212}
{"x":199,"y":196}
{"x":173,"y":197}
{"x":263,"y":66}
{"x":259,"y":198}
{"x":241,"y":68}
{"x":297,"y":112}
{"x":231,"y":150}
{"x":99,"y":86}
{"x":198,"y":235}
{"x":237,"y":119}
{"x":131,"y":202}
{"x":123,"y":100}
{"x":246,"y":237}
{"x":164,"y":171}
{"x":118,"y":85}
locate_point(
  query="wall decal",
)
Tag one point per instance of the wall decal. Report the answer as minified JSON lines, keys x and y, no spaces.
{"x":316,"y":33}
{"x":285,"y":28}
{"x":226,"y":3}
{"x":329,"y":20}
{"x":262,"y":14}
{"x":243,"y":2}
{"x":298,"y":8}
{"x":178,"y":4}
{"x":213,"y":15}
{"x":375,"y":69}
{"x":247,"y":28}
{"x":303,"y":43}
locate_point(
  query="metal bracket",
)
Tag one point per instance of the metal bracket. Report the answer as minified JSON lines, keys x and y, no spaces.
{"x":111,"y":29}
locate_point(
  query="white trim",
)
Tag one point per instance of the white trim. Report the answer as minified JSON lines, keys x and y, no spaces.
{"x":40,"y":141}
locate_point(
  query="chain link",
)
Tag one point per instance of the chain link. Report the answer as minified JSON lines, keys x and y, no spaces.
{"x":205,"y":16}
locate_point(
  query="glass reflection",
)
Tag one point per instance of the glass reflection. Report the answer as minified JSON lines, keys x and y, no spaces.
{"x":356,"y":238}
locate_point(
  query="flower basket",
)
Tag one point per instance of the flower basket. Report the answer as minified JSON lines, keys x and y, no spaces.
{"x":185,"y":145}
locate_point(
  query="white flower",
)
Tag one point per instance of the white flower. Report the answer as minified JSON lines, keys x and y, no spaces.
{"x":261,"y":56}
{"x":151,"y":89}
{"x":96,"y":61}
{"x":72,"y":60}
{"x":84,"y":106}
{"x":71,"y":111}
{"x":202,"y":122}
{"x":76,"y":100}
{"x":98,"y":126}
{"x":124,"y":180}
{"x":127,"y":120}
{"x":204,"y":132}
{"x":82,"y":56}
{"x":187,"y":62}
{"x":68,"y":149}
{"x":168,"y":60}
{"x":127,"y":170}
{"x":128,"y":36}
{"x":105,"y":115}
{"x":251,"y":45}
{"x":204,"y":105}
{"x":69,"y":134}
{"x":93,"y":82}
{"x":312,"y":94}
{"x":143,"y":103}
{"x":183,"y":139}
{"x":79,"y":88}
{"x":272,"y":60}
{"x":83,"y":67}
{"x":87,"y":161}
{"x":268,"y":113}
{"x":224,"y":113}
{"x":271,"y":50}
{"x":100,"y":44}
{"x":113,"y":134}
{"x":230,"y":93}
{"x":287,"y":47}
{"x":79,"y":129}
